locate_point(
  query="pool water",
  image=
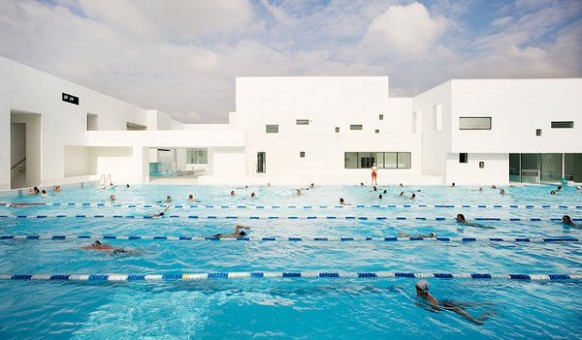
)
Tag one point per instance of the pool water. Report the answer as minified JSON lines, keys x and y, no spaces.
{"x":289,"y":307}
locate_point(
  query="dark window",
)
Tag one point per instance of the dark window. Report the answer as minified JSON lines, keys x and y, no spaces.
{"x":538,"y":132}
{"x":302,"y":121}
{"x":463,"y":158}
{"x":261,"y":162}
{"x":272,"y":128}
{"x":356,"y":127}
{"x":381,"y":117}
{"x":337,"y":129}
{"x":481,"y":165}
{"x":562,"y":125}
{"x":376,"y":131}
{"x":383,"y":160}
{"x":302,"y":154}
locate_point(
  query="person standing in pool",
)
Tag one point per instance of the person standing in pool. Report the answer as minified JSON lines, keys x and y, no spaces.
{"x":568,"y":221}
{"x":435,"y":305}
{"x":374,"y":174}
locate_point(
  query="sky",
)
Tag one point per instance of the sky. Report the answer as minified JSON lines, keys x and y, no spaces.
{"x":183,"y":56}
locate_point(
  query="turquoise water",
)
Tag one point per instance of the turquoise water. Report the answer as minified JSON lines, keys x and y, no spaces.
{"x":289,"y":307}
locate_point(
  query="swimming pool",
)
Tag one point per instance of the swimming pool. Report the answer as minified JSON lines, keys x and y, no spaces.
{"x":302,"y":236}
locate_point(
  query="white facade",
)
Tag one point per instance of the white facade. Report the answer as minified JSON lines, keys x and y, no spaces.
{"x":328,"y":129}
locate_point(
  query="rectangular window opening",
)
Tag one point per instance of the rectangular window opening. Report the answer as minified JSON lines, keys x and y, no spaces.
{"x":261,"y":162}
{"x":273,"y":128}
{"x":463,"y":158}
{"x":302,"y":121}
{"x":356,"y":127}
{"x":381,"y":117}
{"x":197,"y":156}
{"x":383,"y":160}
{"x":538,"y":132}
{"x":302,"y":154}
{"x":474,"y":123}
{"x":376,"y":131}
{"x":337,"y":129}
{"x":562,"y":125}
{"x":481,"y":165}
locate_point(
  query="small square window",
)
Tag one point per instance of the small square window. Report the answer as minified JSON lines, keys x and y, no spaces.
{"x":463,"y":158}
{"x":481,"y":165}
{"x":302,"y":154}
{"x":376,"y":131}
{"x":356,"y":127}
{"x":272,"y":128}
{"x":381,"y":117}
{"x":302,"y":121}
{"x":538,"y":132}
{"x":337,"y":129}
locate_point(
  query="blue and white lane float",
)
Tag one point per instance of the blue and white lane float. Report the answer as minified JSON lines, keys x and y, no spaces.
{"x":308,"y":217}
{"x":315,"y":207}
{"x":296,"y":239}
{"x":290,"y":274}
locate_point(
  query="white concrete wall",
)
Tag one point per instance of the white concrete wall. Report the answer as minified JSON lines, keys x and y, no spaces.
{"x":435,"y":143}
{"x":496,"y":170}
{"x":77,"y":161}
{"x":327,"y":102}
{"x":518,"y":107}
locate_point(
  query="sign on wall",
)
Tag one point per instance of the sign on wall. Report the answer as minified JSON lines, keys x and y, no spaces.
{"x":70,"y":99}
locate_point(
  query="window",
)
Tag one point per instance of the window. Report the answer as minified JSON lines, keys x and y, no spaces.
{"x":337,"y":129}
{"x":92,"y":122}
{"x":383,"y":160}
{"x":272,"y":128}
{"x":562,"y":125}
{"x":261,"y":162}
{"x":197,"y":156}
{"x":356,"y":127}
{"x":381,"y":117}
{"x":463,"y":158}
{"x":538,"y":132}
{"x":474,"y":123}
{"x":481,"y":165}
{"x":302,"y":121}
{"x":377,"y":131}
{"x":302,"y":154}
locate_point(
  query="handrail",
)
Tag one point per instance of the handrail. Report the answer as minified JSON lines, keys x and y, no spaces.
{"x":18,"y":163}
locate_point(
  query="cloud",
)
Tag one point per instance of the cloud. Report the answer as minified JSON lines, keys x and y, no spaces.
{"x":405,"y":30}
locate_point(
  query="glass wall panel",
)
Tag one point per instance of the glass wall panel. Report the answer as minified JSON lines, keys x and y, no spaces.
{"x":390,"y":160}
{"x":573,"y":167}
{"x":475,"y":123}
{"x":404,"y":160}
{"x":197,"y":156}
{"x":514,"y":167}
{"x":551,"y":169}
{"x":380,"y":160}
{"x":351,"y":160}
{"x":366,"y":159}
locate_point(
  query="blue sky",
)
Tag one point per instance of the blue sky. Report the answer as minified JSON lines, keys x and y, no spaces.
{"x":183,"y":56}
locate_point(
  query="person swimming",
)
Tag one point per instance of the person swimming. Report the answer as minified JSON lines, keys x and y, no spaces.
{"x":461,"y":219}
{"x":429,"y":235}
{"x":238,"y":233}
{"x":97,"y":245}
{"x":458,"y":308}
{"x":161,"y":213}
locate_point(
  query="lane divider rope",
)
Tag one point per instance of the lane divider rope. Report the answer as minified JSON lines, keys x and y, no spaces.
{"x":532,"y":219}
{"x":261,"y":275}
{"x":218,"y":206}
{"x":293,"y":239}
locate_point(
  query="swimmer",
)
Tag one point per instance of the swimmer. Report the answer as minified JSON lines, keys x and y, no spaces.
{"x":192,"y":199}
{"x":343,"y":202}
{"x":552,"y":192}
{"x":480,"y":189}
{"x":566,"y":220}
{"x":43,"y":193}
{"x":232,"y":193}
{"x":401,"y":193}
{"x":380,"y":196}
{"x":453,"y":184}
{"x":168,"y":199}
{"x":97,"y":245}
{"x":413,"y":196}
{"x":461,"y":219}
{"x":435,"y":305}
{"x":112,"y":198}
{"x":502,"y":191}
{"x":238,"y":233}
{"x":429,"y":235}
{"x":559,"y":188}
{"x":33,"y":191}
{"x":253,"y":195}
{"x":57,"y":188}
{"x":493,"y":187}
{"x":161,"y":213}
{"x":385,"y":191}
{"x":578,"y":188}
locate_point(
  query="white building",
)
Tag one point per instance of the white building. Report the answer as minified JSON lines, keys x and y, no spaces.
{"x":294,"y":130}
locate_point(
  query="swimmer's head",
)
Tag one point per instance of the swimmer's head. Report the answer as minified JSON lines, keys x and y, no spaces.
{"x":422,"y":285}
{"x":242,"y":233}
{"x":460,"y":217}
{"x":566,"y":219}
{"x":97,"y":243}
